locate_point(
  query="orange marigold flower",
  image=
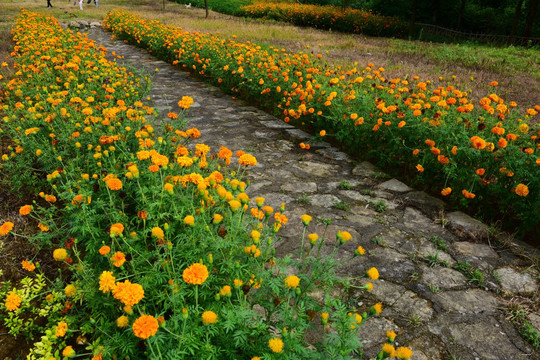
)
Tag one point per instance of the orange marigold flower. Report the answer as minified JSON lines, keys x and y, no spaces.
{"x":404,"y":353}
{"x":116,"y":229}
{"x":478,"y":143}
{"x":195,"y":274}
{"x":61,"y":329}
{"x":25,"y":210}
{"x":446,"y":191}
{"x":420,"y":168}
{"x":114,"y":184}
{"x":129,"y":294}
{"x":209,"y":317}
{"x":186,"y":102}
{"x":13,"y":301}
{"x":468,"y":195}
{"x":104,"y":250}
{"x":145,"y":326}
{"x":502,"y":143}
{"x":107,"y":281}
{"x":28,"y":265}
{"x":247,"y":159}
{"x":522,"y":190}
{"x":118,"y":259}
{"x":480,"y":171}
{"x":6,"y":228}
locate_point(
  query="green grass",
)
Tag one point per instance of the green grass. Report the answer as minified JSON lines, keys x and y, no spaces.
{"x":474,"y":275}
{"x":439,"y":243}
{"x":507,"y":60}
{"x":433,"y":259}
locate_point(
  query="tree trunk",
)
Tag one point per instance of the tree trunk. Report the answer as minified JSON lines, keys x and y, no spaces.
{"x":515,"y":21}
{"x":435,"y":12}
{"x":206,"y":8}
{"x":460,"y":15}
{"x":413,"y":18}
{"x":531,"y":16}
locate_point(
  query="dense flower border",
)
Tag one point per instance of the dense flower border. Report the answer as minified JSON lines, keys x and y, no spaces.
{"x":163,"y":254}
{"x":483,"y":156}
{"x":328,"y":17}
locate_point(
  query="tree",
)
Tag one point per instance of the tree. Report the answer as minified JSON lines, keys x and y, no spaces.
{"x":413,"y":18}
{"x":206,"y":8}
{"x":460,"y":15}
{"x":515,"y":21}
{"x":531,"y":16}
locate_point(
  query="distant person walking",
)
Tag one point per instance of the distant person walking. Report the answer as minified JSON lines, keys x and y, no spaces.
{"x":49,"y":3}
{"x":95,"y":2}
{"x":80,"y":4}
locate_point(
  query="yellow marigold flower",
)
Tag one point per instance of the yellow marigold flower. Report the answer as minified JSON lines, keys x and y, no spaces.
{"x":60,"y":254}
{"x":255,"y":358}
{"x":343,"y":236}
{"x":61,"y":329}
{"x":391,"y":335}
{"x":225,"y":291}
{"x":6,"y":228}
{"x":25,"y":210}
{"x":313,"y":238}
{"x":122,"y":321}
{"x":247,"y":160}
{"x":234,"y":204}
{"x":13,"y":301}
{"x":129,"y":294}
{"x":522,"y":190}
{"x":28,"y":265}
{"x":189,"y":220}
{"x":68,"y":351}
{"x":168,"y":187}
{"x":158,"y":233}
{"x":373,"y":273}
{"x":292,"y":281}
{"x":118,"y":259}
{"x":209,"y":317}
{"x":276,"y":345}
{"x":360,"y":251}
{"x":237,"y":283}
{"x":117,"y":229}
{"x":388,"y":350}
{"x":306,"y":219}
{"x":403,"y":353}
{"x":114,"y":184}
{"x":107,"y":281}
{"x":70,"y":290}
{"x":217,"y":218}
{"x":259,"y":201}
{"x":195,"y":274}
{"x":357,"y":320}
{"x":368,"y":286}
{"x":377,"y":308}
{"x":143,"y":155}
{"x":145,"y":326}
{"x":104,"y":250}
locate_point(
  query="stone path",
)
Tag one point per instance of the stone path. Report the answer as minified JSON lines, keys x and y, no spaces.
{"x":435,"y":309}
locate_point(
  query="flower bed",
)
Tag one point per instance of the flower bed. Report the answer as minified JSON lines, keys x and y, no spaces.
{"x":328,"y":17}
{"x":480,"y":156}
{"x":160,"y":251}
